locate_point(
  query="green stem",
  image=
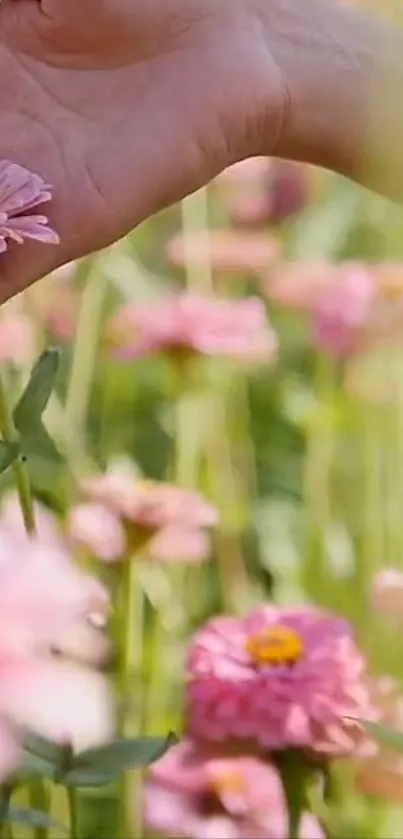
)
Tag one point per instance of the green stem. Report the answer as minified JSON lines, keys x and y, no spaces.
{"x":73,"y":812}
{"x":295,"y":775}
{"x":85,"y":352}
{"x":39,"y":800}
{"x":19,"y":467}
{"x":130,"y":653}
{"x":195,"y":220}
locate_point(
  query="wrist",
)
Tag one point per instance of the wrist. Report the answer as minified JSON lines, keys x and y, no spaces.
{"x":343,"y":75}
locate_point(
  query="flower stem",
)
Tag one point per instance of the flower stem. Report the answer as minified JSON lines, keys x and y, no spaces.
{"x":130,"y":653}
{"x":85,"y":353}
{"x":19,"y":467}
{"x":73,"y":812}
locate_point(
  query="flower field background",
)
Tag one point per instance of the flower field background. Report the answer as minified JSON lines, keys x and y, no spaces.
{"x":222,"y":456}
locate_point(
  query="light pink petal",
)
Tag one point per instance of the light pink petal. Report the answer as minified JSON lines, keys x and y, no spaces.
{"x":20,"y":190}
{"x":59,"y":701}
{"x":9,"y":751}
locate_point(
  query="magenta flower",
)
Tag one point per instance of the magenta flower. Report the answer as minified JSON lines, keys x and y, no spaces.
{"x":281,"y":678}
{"x":343,"y":310}
{"x":20,"y":192}
{"x":47,"y":611}
{"x":193,"y":793}
{"x":168,"y":520}
{"x":187,"y":324}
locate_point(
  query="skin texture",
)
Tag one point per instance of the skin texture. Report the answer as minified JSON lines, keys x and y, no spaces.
{"x":125,"y":106}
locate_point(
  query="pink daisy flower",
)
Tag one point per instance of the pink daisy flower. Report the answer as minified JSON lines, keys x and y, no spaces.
{"x":281,"y":678}
{"x":188,"y":324}
{"x":193,"y":793}
{"x":20,"y":192}
{"x":47,"y":611}
{"x":170,"y":521}
{"x":343,"y":311}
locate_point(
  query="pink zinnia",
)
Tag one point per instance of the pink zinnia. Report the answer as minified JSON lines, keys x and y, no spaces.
{"x":170,"y":521}
{"x":387,"y":594}
{"x":188,"y":324}
{"x":47,"y":609}
{"x":20,"y":192}
{"x":343,"y":311}
{"x":193,"y":793}
{"x":281,"y":678}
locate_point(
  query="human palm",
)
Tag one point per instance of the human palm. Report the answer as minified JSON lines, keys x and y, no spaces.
{"x":125,"y":106}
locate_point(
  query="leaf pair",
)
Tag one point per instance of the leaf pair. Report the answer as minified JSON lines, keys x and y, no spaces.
{"x":27,"y":415}
{"x":93,"y":767}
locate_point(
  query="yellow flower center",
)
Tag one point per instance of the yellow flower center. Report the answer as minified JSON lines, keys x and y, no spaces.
{"x":146,"y":487}
{"x":227,"y":782}
{"x":274,"y":645}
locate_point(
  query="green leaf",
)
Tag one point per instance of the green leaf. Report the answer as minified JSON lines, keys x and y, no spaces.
{"x":98,"y":767}
{"x":33,"y":818}
{"x":41,"y":757}
{"x":36,"y":395}
{"x":386,"y":736}
{"x":37,"y":442}
{"x":8,"y":454}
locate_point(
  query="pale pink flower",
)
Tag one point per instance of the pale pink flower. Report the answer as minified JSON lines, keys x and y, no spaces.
{"x":168,"y":519}
{"x":387,"y":593}
{"x":300,"y":285}
{"x":11,"y":522}
{"x":17,"y":338}
{"x":261,"y":191}
{"x":343,"y":311}
{"x":98,"y":529}
{"x":226,"y":251}
{"x":187,"y":324}
{"x":20,"y":192}
{"x":46,"y":606}
{"x":280,"y":677}
{"x":196,"y":794}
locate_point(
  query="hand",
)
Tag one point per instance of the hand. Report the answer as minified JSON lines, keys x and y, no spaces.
{"x":125,"y":106}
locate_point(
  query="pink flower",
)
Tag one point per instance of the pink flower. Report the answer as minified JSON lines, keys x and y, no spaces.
{"x":343,"y":311}
{"x":47,"y":606}
{"x":98,"y":529}
{"x":193,"y":793}
{"x":189,"y":324}
{"x":280,"y":677}
{"x":387,"y":593}
{"x":169,"y":520}
{"x":227,"y":251}
{"x":300,"y":285}
{"x":20,"y":192}
{"x":17,"y":340}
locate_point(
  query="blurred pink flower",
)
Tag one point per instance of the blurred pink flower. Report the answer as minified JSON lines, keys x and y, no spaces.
{"x":58,"y":305}
{"x":98,"y":529}
{"x":11,"y":523}
{"x":189,"y":324}
{"x":387,"y":593}
{"x":20,"y":192}
{"x":17,"y":339}
{"x":196,"y":794}
{"x":47,"y":606}
{"x":280,"y":677}
{"x":169,"y":520}
{"x":263,"y":191}
{"x":300,"y":285}
{"x":227,"y":251}
{"x":343,"y":311}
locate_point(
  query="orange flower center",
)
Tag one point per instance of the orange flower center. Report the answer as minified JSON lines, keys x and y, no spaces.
{"x":227,"y":782}
{"x":274,"y":645}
